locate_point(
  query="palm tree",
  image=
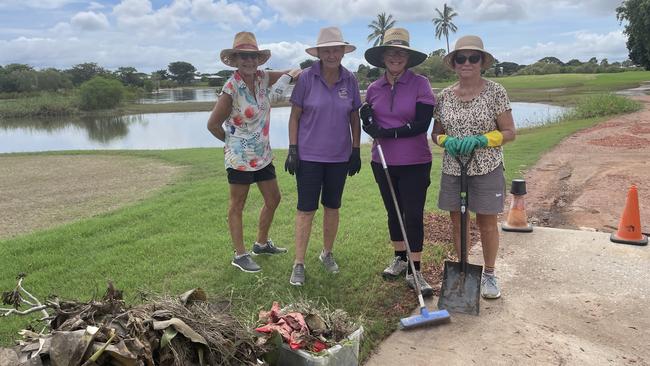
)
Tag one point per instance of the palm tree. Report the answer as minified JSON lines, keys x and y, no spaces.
{"x":443,"y":23}
{"x":379,"y":28}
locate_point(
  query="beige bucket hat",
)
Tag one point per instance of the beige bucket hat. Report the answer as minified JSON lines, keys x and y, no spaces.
{"x":245,"y":42}
{"x":394,"y":37}
{"x":469,"y":43}
{"x":327,"y":37}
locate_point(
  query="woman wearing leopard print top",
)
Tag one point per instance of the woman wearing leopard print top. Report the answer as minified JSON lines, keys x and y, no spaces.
{"x":474,"y":115}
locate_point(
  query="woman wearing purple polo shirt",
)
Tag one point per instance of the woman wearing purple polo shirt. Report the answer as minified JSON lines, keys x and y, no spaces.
{"x":397,"y":115}
{"x":324,"y":137}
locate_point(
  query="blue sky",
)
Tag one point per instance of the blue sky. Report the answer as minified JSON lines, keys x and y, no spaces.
{"x":150,"y":34}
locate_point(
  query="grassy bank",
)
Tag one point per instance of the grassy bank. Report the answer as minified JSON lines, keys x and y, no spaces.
{"x":179,"y":240}
{"x":560,"y":89}
{"x":565,"y":89}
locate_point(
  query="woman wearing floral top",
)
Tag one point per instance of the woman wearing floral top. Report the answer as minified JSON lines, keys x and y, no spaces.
{"x":241,"y":118}
{"x":474,"y":115}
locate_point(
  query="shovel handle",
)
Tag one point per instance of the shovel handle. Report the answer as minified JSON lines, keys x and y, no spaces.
{"x":464,"y":202}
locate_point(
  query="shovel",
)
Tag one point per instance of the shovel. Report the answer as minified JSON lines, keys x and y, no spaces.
{"x":461,"y":282}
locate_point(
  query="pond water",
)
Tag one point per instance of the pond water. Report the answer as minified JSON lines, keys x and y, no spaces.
{"x":168,"y":130}
{"x":180,"y":95}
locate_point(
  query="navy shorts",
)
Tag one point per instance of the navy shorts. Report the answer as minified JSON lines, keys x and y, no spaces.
{"x":314,"y":177}
{"x":247,"y":177}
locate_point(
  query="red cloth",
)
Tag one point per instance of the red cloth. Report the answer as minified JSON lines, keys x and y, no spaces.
{"x":292,"y":326}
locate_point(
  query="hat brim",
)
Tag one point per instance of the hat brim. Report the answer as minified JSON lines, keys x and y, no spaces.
{"x":486,"y":63}
{"x":313,"y":51}
{"x":374,"y":56}
{"x":228,"y":56}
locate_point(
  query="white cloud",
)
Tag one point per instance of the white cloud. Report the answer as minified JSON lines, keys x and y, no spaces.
{"x":584,"y":46}
{"x":90,"y":21}
{"x":266,"y":23}
{"x":225,"y":13}
{"x":343,"y":11}
{"x":36,"y":4}
{"x":139,"y":15}
{"x":285,"y":54}
{"x":95,"y":6}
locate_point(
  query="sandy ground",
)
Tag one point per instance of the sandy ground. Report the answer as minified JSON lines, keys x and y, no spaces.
{"x":570,"y":297}
{"x":583,"y":182}
{"x":39,"y":192}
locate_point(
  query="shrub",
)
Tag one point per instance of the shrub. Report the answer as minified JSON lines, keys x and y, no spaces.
{"x":604,"y":105}
{"x":100,"y":93}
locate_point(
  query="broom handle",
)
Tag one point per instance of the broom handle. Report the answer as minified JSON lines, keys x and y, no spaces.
{"x":401,"y":225}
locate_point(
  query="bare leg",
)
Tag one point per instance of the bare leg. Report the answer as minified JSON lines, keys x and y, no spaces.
{"x":304,"y":221}
{"x":238,"y":194}
{"x":330,"y":228}
{"x":455,"y":223}
{"x":487,"y":224}
{"x":271,"y":194}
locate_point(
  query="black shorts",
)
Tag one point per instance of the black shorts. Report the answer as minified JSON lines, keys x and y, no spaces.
{"x":246,"y":177}
{"x":311,"y":177}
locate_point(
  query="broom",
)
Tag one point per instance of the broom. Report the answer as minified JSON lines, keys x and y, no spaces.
{"x":425,"y":317}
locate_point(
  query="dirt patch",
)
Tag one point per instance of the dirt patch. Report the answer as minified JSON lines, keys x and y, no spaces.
{"x":39,"y":192}
{"x":583,"y":181}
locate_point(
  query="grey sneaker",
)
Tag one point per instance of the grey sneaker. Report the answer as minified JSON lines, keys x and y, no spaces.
{"x":490,"y":287}
{"x":268,"y":248}
{"x":329,"y":262}
{"x":424,"y":286}
{"x":297,"y":275}
{"x":396,"y":268}
{"x":245,"y":263}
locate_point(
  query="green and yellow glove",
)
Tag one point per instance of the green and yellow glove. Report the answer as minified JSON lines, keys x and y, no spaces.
{"x":491,"y":139}
{"x":450,"y":143}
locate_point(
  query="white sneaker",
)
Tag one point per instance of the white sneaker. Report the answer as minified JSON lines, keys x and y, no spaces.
{"x":490,"y":286}
{"x":396,"y":268}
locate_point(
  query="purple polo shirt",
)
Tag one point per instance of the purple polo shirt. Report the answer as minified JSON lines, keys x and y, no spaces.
{"x":324,"y":133}
{"x":395,"y":107}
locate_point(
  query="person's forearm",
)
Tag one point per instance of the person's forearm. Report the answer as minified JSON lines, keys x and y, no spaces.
{"x":355,"y":127}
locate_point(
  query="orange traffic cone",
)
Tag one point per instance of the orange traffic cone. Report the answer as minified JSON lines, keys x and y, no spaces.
{"x":517,"y":220}
{"x":629,"y":229}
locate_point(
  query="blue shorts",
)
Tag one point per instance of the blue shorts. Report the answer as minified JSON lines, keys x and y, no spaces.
{"x":312,"y":177}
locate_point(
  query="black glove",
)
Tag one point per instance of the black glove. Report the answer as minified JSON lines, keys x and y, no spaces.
{"x":375,"y":131}
{"x":354,"y":164}
{"x":292,"y":163}
{"x":366,"y":114}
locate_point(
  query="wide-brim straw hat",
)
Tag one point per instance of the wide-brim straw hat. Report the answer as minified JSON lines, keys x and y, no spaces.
{"x":469,"y":43}
{"x":398,"y":38}
{"x":244,"y":42}
{"x":328,"y":37}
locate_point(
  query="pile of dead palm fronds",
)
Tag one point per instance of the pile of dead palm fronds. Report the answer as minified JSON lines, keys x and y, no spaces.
{"x":167,"y":331}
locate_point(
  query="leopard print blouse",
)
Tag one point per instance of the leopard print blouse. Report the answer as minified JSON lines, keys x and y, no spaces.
{"x":474,"y":117}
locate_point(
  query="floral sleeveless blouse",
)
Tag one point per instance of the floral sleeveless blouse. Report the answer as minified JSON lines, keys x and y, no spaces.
{"x":247,"y":146}
{"x":475,"y":117}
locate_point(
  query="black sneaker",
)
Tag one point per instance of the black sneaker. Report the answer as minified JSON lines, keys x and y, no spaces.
{"x":245,"y":263}
{"x":267,"y":248}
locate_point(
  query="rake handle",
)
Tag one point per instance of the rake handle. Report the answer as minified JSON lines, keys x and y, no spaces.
{"x":401,"y":225}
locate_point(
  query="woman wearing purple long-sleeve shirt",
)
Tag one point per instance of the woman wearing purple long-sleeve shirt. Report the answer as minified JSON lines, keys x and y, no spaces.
{"x":324,"y":138}
{"x":397,"y":115}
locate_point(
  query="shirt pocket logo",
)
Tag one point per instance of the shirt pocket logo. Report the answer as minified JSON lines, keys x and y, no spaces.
{"x":343,"y":93}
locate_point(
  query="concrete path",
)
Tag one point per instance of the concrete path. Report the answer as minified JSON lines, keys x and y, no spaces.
{"x":569,"y":298}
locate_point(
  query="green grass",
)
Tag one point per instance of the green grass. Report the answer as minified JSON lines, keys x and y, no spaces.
{"x":44,"y":105}
{"x":565,"y":89}
{"x":179,"y":240}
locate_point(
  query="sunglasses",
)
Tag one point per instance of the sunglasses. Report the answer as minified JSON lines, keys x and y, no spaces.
{"x":473,"y":59}
{"x":247,"y":56}
{"x":402,"y":54}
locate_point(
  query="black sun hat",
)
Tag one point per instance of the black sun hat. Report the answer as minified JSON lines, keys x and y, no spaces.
{"x":394,"y":37}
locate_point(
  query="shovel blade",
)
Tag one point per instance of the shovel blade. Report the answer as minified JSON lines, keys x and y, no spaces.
{"x":461,"y":292}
